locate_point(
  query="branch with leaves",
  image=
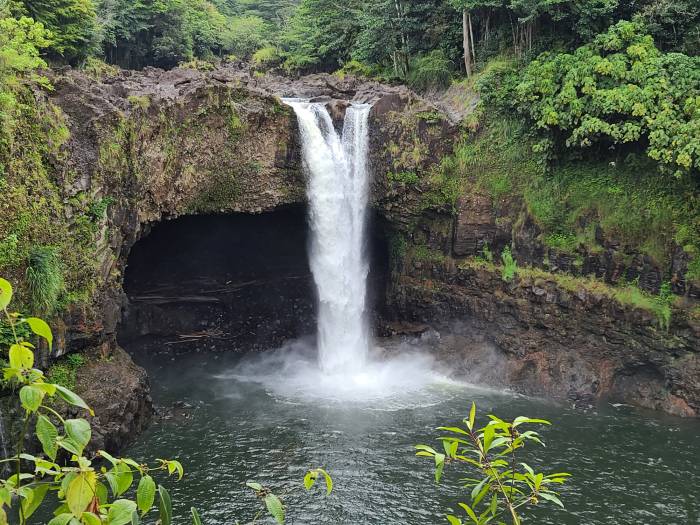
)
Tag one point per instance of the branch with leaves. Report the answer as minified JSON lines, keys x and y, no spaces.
{"x":506,"y":486}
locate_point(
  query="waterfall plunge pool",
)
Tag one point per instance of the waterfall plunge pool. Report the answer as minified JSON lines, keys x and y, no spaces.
{"x":233,"y":422}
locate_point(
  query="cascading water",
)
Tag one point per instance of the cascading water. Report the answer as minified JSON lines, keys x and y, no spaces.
{"x":337,"y":190}
{"x":345,"y":368}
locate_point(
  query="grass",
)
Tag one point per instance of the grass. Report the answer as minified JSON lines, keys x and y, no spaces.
{"x":65,"y":371}
{"x":628,"y":295}
{"x":423,"y":253}
{"x":44,"y":277}
{"x":628,"y":200}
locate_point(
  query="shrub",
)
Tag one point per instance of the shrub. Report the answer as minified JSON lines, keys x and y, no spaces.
{"x":430,"y":71}
{"x":266,"y":58}
{"x":44,"y":279}
{"x":510,"y":266}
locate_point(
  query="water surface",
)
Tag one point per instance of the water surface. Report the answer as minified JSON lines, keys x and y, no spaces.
{"x":629,"y":467}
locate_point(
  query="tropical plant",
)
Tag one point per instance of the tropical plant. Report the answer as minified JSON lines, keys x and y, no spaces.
{"x":507,"y":486}
{"x":91,"y":490}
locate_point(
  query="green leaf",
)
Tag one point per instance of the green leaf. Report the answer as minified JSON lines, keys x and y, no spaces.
{"x":5,"y":497}
{"x":472,"y":416}
{"x":195,"y":517}
{"x":145,"y":494}
{"x":551,"y":497}
{"x":275,"y":508}
{"x":72,"y":398}
{"x":31,"y":398}
{"x":175,"y":466}
{"x":5,"y":293}
{"x":47,"y":434}
{"x":67,"y":444}
{"x":120,"y":512}
{"x":521,"y":419}
{"x":165,"y":506}
{"x":88,"y":518}
{"x":135,"y":520}
{"x":310,"y":479}
{"x":107,"y":456}
{"x":21,"y":357}
{"x":469,"y":512}
{"x":80,"y":492}
{"x":454,"y":520}
{"x":78,"y":431}
{"x":253,"y":485}
{"x":29,"y":505}
{"x":61,"y":519}
{"x":40,"y":328}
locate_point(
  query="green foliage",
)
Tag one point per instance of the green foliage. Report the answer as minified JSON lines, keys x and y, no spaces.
{"x":21,"y":42}
{"x":266,"y":58}
{"x":618,"y":90}
{"x":72,"y":25}
{"x":44,"y":277}
{"x":409,"y":178}
{"x":430,"y":71}
{"x":510,"y":265}
{"x":506,"y":487}
{"x":64,"y":372}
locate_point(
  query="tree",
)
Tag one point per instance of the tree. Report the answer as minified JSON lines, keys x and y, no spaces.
{"x":620,"y":90}
{"x":72,"y":24}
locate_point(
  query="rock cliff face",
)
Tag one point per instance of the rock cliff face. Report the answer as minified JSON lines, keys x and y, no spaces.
{"x":153,"y":146}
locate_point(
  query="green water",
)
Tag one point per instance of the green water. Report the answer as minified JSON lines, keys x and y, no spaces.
{"x":629,"y":467}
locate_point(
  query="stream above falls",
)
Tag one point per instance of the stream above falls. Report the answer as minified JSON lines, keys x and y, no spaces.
{"x":228,"y":425}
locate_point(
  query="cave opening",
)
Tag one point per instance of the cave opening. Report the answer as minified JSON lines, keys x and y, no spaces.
{"x":235,"y":282}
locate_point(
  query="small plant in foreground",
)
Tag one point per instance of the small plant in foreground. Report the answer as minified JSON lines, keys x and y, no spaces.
{"x":507,"y":486}
{"x":90,"y":490}
{"x":510,"y":266}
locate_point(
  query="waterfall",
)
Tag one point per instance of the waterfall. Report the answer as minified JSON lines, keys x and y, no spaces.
{"x":337,"y":192}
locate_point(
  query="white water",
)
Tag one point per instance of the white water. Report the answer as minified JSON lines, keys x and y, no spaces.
{"x":337,"y":191}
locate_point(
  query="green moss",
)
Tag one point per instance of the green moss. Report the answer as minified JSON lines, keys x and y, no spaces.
{"x":627,"y":295}
{"x":423,"y":253}
{"x":629,"y":201}
{"x":142,"y":102}
{"x":409,"y":178}
{"x":44,"y":278}
{"x":64,"y":371}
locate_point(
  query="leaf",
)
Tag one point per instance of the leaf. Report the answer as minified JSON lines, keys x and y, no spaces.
{"x":5,"y":293}
{"x":31,"y":398}
{"x":454,"y":520}
{"x":176,"y":466}
{"x":29,"y":505}
{"x":310,"y":479}
{"x":195,"y":517}
{"x":80,"y":492}
{"x":78,"y":431}
{"x":469,"y":512}
{"x":21,"y":357}
{"x":165,"y":506}
{"x":472,"y":416}
{"x":107,"y":456}
{"x":551,"y":497}
{"x":67,"y":443}
{"x":521,"y":419}
{"x":47,"y":434}
{"x":88,"y":518}
{"x":253,"y":485}
{"x":61,"y":519}
{"x":40,"y":328}
{"x":145,"y":494}
{"x":275,"y":508}
{"x":135,"y":518}
{"x":72,"y":398}
{"x":120,"y":512}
